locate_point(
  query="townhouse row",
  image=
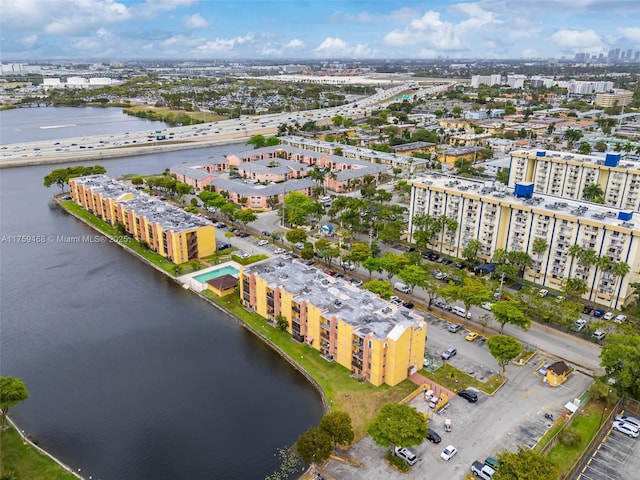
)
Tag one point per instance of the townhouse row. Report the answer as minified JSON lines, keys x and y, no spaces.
{"x":375,"y":340}
{"x":175,"y":234}
{"x":513,"y":218}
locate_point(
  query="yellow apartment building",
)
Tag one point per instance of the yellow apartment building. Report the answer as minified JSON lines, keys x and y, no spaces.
{"x":374,"y":339}
{"x":168,"y":230}
{"x":512,"y":218}
{"x":567,"y":174}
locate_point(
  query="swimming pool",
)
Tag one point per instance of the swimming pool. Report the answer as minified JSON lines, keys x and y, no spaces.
{"x":226,"y":270}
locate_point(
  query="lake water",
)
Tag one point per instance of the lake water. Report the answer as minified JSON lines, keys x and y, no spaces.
{"x":130,"y":376}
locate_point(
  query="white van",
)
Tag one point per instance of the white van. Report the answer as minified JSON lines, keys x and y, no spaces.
{"x":461,"y":312}
{"x":401,"y":287}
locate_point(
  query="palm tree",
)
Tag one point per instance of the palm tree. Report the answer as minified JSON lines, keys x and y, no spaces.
{"x":539,"y":247}
{"x":620,"y":270}
{"x":603,"y":264}
{"x":574,"y":252}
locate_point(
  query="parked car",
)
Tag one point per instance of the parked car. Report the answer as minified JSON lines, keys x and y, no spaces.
{"x":448,"y":452}
{"x":599,"y":334}
{"x":433,"y":437}
{"x":278,"y":251}
{"x":454,"y":327}
{"x":406,"y":454}
{"x":542,"y":371}
{"x":608,"y":316}
{"x":448,"y":353}
{"x":471,"y":336}
{"x":468,"y":395}
{"x":223,"y":246}
{"x":543,"y":292}
{"x":442,"y":304}
{"x":299,"y":245}
{"x":262,"y":243}
{"x":244,"y":235}
{"x":620,"y":318}
{"x":626,"y":428}
{"x":628,"y":419}
{"x":486,"y":305}
{"x":598,"y":312}
{"x":395,"y":300}
{"x":587,"y":310}
{"x":579,"y":325}
{"x":407,"y":304}
{"x":356,"y":282}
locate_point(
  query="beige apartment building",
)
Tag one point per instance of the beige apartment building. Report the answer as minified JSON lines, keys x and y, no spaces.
{"x":567,"y":174}
{"x":500,"y":219}
{"x":616,"y":98}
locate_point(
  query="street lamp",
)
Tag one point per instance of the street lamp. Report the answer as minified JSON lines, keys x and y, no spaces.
{"x":604,"y":407}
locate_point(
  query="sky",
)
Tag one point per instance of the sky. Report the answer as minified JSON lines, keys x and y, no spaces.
{"x":314,"y":29}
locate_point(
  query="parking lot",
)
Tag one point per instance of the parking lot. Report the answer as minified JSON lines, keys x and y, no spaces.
{"x":514,"y":415}
{"x":617,"y":456}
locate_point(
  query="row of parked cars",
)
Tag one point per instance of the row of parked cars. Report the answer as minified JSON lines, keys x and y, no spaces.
{"x":627,"y":424}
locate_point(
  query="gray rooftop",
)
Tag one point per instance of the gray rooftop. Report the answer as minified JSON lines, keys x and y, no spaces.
{"x":191,"y":170}
{"x":366,"y":311}
{"x":168,"y":216}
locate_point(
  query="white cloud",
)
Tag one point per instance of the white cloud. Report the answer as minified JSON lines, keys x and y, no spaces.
{"x":631,"y":33}
{"x":295,"y":43}
{"x":29,"y":40}
{"x":427,"y":30}
{"x":574,"y":40}
{"x":195,"y":21}
{"x":337,"y":48}
{"x":224,"y":44}
{"x":530,"y":53}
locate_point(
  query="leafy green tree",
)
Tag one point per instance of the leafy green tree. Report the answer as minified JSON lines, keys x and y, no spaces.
{"x":258,"y":141}
{"x":412,"y":275}
{"x":503,"y":175}
{"x":600,"y":146}
{"x":584,"y":148}
{"x":338,"y":425}
{"x":245,"y":216}
{"x":620,"y":357}
{"x":272,"y":141}
{"x":137,"y":180}
{"x":574,"y":288}
{"x":296,"y":235}
{"x":469,"y":291}
{"x":299,"y":207}
{"x":525,"y":464}
{"x":593,"y":193}
{"x":470,"y":252}
{"x":359,"y":253}
{"x":61,"y":176}
{"x":392,"y":263}
{"x":504,"y":349}
{"x":314,"y":446}
{"x":12,"y":392}
{"x":372,"y":264}
{"x":601,"y":390}
{"x":379,"y":287}
{"x":512,"y":312}
{"x":398,"y":425}
{"x":572,"y":136}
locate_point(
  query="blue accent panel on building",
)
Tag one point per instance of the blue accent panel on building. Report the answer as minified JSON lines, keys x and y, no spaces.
{"x":524,"y":190}
{"x":612,"y":159}
{"x":541,"y":153}
{"x":626,"y":216}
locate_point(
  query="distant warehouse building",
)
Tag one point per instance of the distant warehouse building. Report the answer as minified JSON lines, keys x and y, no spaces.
{"x":513,"y":218}
{"x":377,"y":341}
{"x":168,"y":230}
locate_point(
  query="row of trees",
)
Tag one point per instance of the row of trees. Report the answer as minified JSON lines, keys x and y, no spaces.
{"x":61,"y":176}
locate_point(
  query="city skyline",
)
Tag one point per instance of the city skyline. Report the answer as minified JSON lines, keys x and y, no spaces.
{"x":202,"y":30}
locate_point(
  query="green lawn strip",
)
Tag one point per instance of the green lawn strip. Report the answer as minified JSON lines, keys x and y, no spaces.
{"x":586,"y":424}
{"x":110,"y":231}
{"x":360,"y":399}
{"x":548,"y":435}
{"x":454,"y":379}
{"x":20,"y":461}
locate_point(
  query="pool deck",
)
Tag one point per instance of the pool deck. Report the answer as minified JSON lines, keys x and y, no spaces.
{"x":189,"y":280}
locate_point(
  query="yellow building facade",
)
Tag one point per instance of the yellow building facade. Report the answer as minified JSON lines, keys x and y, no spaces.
{"x":375,"y":340}
{"x":168,"y":230}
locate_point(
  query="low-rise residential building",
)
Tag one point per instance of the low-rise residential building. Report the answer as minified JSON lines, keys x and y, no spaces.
{"x":452,"y":155}
{"x":374,"y":339}
{"x":567,"y":174}
{"x":513,"y":218}
{"x":168,"y":230}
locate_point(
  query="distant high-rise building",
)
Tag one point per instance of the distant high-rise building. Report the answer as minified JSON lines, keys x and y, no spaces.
{"x":629,"y":54}
{"x":637,"y":56}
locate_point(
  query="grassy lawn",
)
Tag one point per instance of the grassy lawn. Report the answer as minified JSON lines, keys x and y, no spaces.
{"x":454,"y":379}
{"x":586,"y":424}
{"x":166,"y":112}
{"x":360,"y":399}
{"x":20,"y":461}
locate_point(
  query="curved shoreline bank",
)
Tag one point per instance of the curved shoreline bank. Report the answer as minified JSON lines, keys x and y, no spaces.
{"x":261,"y":336}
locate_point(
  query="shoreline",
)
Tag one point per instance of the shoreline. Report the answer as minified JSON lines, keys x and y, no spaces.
{"x":217,"y":305}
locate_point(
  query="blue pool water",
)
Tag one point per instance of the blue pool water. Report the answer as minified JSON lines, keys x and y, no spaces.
{"x":228,"y":270}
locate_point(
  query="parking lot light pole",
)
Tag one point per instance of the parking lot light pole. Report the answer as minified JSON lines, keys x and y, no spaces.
{"x":604,"y":407}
